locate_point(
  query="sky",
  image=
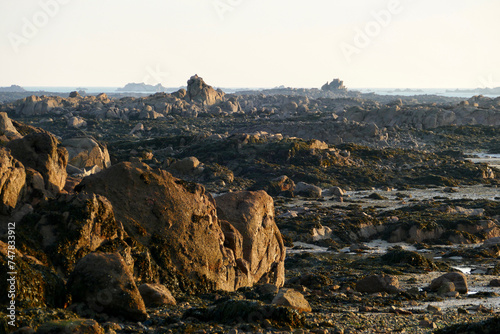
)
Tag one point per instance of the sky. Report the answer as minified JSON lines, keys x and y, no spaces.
{"x":251,"y":43}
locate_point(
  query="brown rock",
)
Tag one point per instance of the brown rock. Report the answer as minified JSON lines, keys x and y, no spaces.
{"x":458,"y":279}
{"x":12,"y":181}
{"x":7,"y":129}
{"x":40,"y":152}
{"x":87,"y":152}
{"x":175,"y":219}
{"x":378,"y":283}
{"x":293,"y":299}
{"x":71,"y":227}
{"x":103,"y":282}
{"x":199,"y":91}
{"x":252,"y":214}
{"x":80,"y":326}
{"x":155,"y":295}
{"x":495,"y":282}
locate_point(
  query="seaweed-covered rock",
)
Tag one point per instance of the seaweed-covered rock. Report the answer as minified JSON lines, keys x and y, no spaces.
{"x":458,"y":279}
{"x":378,"y":283}
{"x":404,"y":257}
{"x":247,"y":311}
{"x":38,"y":285}
{"x":40,"y":152}
{"x":252,"y":214}
{"x":103,"y":282}
{"x":489,"y":326}
{"x":77,"y":326}
{"x":12,"y":181}
{"x":281,"y":185}
{"x":70,"y":227}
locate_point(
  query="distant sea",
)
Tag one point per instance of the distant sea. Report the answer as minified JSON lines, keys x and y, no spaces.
{"x":382,"y":91}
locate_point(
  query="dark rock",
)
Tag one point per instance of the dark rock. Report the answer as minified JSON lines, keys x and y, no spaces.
{"x":103,"y":283}
{"x":252,"y":214}
{"x":247,"y":311}
{"x":38,"y":285}
{"x":378,"y":283}
{"x":70,"y":227}
{"x":155,"y":295}
{"x":458,"y":279}
{"x":76,"y":326}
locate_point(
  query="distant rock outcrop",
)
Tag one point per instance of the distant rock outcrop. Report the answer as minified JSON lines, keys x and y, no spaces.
{"x":335,"y":85}
{"x":13,"y":89}
{"x":142,"y":87}
{"x":199,"y":91}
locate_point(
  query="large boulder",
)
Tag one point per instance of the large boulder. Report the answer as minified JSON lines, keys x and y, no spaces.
{"x":175,"y":219}
{"x":40,"y":152}
{"x":87,"y":152}
{"x":252,"y":214}
{"x":70,"y":227}
{"x":103,"y":282}
{"x":199,"y":91}
{"x":12,"y":181}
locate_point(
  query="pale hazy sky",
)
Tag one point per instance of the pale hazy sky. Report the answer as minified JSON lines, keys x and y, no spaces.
{"x":250,"y":43}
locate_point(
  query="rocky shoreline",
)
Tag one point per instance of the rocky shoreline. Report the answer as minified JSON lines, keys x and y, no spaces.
{"x":304,"y":211}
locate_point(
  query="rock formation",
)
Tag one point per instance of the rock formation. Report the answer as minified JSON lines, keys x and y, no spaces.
{"x":199,"y":91}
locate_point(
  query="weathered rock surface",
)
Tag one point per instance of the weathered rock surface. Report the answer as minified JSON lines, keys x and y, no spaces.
{"x":103,"y":283}
{"x":458,"y":279}
{"x":72,"y":226}
{"x":36,"y":284}
{"x":80,"y":326}
{"x":7,"y":129}
{"x":156,"y":295}
{"x":199,"y":91}
{"x":293,"y":299}
{"x":87,"y":152}
{"x":175,"y":219}
{"x":307,"y":190}
{"x":252,"y":214}
{"x":40,"y":152}
{"x":12,"y":181}
{"x":378,"y":283}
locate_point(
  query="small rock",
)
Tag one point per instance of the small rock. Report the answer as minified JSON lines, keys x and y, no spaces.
{"x":293,"y":299}
{"x":434,"y":309}
{"x":155,"y":295}
{"x":458,"y":279}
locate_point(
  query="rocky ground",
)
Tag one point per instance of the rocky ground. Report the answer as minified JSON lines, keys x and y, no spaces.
{"x":286,"y":210}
